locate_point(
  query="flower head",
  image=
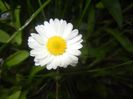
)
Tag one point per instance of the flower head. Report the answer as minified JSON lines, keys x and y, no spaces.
{"x":55,"y":44}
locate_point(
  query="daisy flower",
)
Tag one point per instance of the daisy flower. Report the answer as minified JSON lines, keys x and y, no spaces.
{"x":56,"y":44}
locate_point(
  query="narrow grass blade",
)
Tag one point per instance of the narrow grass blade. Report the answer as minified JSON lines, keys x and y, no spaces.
{"x":25,"y":25}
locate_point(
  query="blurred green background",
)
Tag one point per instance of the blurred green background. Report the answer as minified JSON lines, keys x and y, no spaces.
{"x":105,"y":68}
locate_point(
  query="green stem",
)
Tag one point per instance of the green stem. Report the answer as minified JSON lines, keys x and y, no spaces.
{"x":57,"y":89}
{"x":57,"y":84}
{"x":84,"y":11}
{"x":40,"y":3}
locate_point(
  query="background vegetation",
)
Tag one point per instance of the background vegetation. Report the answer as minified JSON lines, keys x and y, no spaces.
{"x":105,"y":68}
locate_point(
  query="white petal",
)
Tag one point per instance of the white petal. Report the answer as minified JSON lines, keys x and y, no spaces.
{"x":49,"y":67}
{"x":76,"y":46}
{"x":75,"y":40}
{"x":62,"y":27}
{"x":49,"y":28}
{"x":54,"y":26}
{"x":37,"y":64}
{"x":41,"y":56}
{"x":33,"y":43}
{"x":68,"y":59}
{"x":41,"y":31}
{"x":57,"y":26}
{"x":53,"y":64}
{"x":74,"y":58}
{"x":65,"y":60}
{"x":35,"y":52}
{"x":73,"y":34}
{"x":46,"y":60}
{"x":45,"y":31}
{"x":74,"y":52}
{"x":38,"y":38}
{"x":67,"y":31}
{"x":57,"y":61}
{"x":74,"y":63}
{"x":51,"y":21}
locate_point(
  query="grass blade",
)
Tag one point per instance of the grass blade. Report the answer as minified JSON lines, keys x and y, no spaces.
{"x":25,"y":25}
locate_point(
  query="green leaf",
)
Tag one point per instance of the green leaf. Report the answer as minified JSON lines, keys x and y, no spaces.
{"x":15,"y":95}
{"x":18,"y":38}
{"x":3,"y":36}
{"x":35,"y":70}
{"x":123,"y":40}
{"x":17,"y":24}
{"x":2,"y":6}
{"x":114,"y":9}
{"x":16,"y":58}
{"x":17,"y":17}
{"x":23,"y":95}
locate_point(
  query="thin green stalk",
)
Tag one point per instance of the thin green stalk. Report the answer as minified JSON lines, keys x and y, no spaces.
{"x":97,"y":70}
{"x":29,"y":5}
{"x":128,"y":8}
{"x":65,"y":9}
{"x":57,"y":8}
{"x":57,"y":75}
{"x":25,"y":25}
{"x":112,"y":67}
{"x":57,"y":89}
{"x":40,"y":3}
{"x":84,"y":11}
{"x":57,"y":84}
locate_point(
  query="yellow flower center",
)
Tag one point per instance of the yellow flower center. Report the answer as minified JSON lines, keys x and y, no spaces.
{"x":56,"y":45}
